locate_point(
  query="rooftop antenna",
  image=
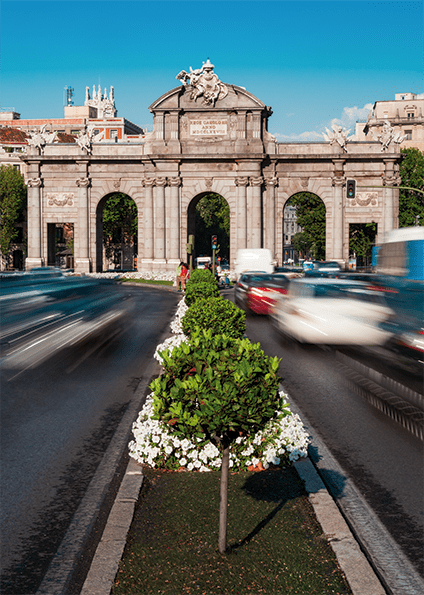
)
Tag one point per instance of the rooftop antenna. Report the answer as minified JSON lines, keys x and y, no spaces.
{"x":69,"y":96}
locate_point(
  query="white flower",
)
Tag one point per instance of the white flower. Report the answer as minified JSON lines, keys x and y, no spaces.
{"x":183,"y":462}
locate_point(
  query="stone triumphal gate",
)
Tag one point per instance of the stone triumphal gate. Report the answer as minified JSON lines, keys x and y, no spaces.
{"x":208,"y":137}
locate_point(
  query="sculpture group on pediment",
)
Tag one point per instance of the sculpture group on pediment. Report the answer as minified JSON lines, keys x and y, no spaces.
{"x":338,"y":135}
{"x":87,"y":136}
{"x":38,"y":138}
{"x":204,"y":83}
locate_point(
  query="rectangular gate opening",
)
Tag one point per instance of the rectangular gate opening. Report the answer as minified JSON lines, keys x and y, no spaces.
{"x":60,"y":245}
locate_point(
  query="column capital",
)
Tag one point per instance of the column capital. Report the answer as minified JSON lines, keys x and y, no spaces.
{"x":148,"y":182}
{"x":176,"y":181}
{"x":392,"y":179}
{"x":161,"y":182}
{"x":338,"y":181}
{"x":243,"y":181}
{"x":257,"y":181}
{"x":34,"y":182}
{"x":271,"y":182}
{"x":83,"y":182}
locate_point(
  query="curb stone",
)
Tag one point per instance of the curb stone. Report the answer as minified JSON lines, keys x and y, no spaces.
{"x":102,"y":573}
{"x":353,"y":563}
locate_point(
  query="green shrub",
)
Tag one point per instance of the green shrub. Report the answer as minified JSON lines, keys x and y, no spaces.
{"x":201,"y":276}
{"x":218,"y":387}
{"x":217,"y":314}
{"x":196,"y":291}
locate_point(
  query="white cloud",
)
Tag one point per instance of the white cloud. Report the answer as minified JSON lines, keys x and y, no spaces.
{"x":299,"y":138}
{"x":351,"y":115}
{"x":348,"y":120}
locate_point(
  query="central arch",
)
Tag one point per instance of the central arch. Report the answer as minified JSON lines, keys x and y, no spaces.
{"x":208,"y":214}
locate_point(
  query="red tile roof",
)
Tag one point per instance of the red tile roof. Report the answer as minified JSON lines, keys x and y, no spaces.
{"x":62,"y":137}
{"x":12,"y":136}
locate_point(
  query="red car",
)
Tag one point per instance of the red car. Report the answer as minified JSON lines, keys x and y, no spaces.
{"x":264,"y":290}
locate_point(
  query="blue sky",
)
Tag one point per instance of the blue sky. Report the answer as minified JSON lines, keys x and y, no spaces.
{"x":312,"y":61}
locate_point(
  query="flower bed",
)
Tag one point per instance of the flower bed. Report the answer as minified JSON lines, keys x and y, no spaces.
{"x":283,"y":439}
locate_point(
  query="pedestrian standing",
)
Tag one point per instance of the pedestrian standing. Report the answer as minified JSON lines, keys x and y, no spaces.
{"x":184,"y":275}
{"x":179,"y":270}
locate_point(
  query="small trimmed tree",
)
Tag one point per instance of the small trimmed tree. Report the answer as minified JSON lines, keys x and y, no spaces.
{"x":217,"y":314}
{"x":219,"y":388}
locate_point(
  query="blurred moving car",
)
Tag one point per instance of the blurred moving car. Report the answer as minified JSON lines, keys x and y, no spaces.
{"x":399,"y":266}
{"x":332,"y":312}
{"x":257,"y":292}
{"x":322,"y":269}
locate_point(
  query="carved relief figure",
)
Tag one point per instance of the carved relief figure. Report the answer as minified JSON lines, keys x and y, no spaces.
{"x":204,"y":82}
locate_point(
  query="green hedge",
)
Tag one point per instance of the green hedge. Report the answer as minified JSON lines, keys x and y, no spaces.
{"x":196,"y":291}
{"x":215,"y":313}
{"x":201,"y":276}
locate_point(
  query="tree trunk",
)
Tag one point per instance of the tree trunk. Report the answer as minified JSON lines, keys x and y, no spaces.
{"x":223,"y":505}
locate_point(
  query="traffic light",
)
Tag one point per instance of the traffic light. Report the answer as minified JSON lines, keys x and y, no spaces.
{"x":214,"y":242}
{"x":350,"y":188}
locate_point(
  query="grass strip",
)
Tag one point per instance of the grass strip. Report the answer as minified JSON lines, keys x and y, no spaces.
{"x":275,"y":543}
{"x":148,"y":281}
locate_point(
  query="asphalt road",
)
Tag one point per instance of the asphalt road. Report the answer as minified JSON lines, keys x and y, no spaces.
{"x":382,"y":459}
{"x":57,"y":420}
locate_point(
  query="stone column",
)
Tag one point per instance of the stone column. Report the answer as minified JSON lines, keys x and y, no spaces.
{"x":34,"y":184}
{"x":256,"y":228}
{"x":173,"y":250}
{"x":159,"y":222}
{"x":82,"y":258}
{"x":270,"y":215}
{"x":147,"y":259}
{"x":338,"y":182}
{"x":389,"y":195}
{"x":241,"y":212}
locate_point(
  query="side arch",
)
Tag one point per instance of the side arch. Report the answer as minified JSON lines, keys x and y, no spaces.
{"x":122,"y":251}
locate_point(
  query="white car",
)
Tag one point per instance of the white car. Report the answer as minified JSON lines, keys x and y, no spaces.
{"x":332,"y":312}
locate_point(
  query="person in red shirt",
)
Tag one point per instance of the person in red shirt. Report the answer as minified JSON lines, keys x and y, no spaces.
{"x":184,"y":275}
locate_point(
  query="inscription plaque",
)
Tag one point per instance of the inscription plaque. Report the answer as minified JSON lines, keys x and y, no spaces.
{"x":208,"y":127}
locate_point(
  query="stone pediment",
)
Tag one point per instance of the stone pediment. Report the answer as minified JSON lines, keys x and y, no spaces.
{"x":180,"y":98}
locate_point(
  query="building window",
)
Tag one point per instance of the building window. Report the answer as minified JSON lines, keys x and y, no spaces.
{"x":113,"y":134}
{"x":18,"y":167}
{"x":408,"y":134}
{"x":411,"y":115}
{"x":74,"y":131}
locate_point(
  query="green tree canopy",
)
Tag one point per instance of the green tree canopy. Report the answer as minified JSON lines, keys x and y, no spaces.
{"x":13,"y":202}
{"x":212,"y":218}
{"x":411,"y":204}
{"x":362,"y":238}
{"x":301,"y":243}
{"x":310,"y":215}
